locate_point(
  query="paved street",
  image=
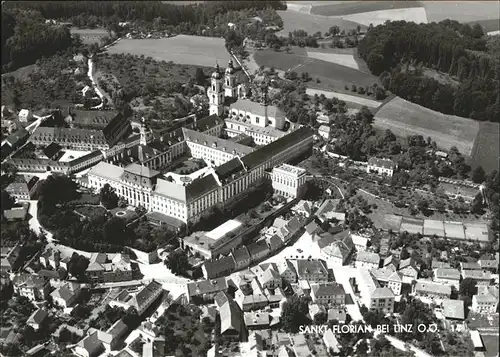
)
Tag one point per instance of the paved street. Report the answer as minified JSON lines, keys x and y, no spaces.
{"x":34,"y":223}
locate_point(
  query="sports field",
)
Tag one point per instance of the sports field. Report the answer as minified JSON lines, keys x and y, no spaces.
{"x":404,"y":118}
{"x":185,"y":49}
{"x":486,"y":152}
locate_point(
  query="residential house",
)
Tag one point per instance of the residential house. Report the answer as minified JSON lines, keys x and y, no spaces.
{"x":31,"y":286}
{"x":373,"y":295}
{"x":488,"y":262}
{"x":66,"y":295}
{"x":102,"y":270}
{"x":16,"y":214}
{"x":111,"y":336}
{"x":428,"y":289}
{"x":10,"y":258}
{"x":274,"y":242}
{"x":331,"y":342}
{"x":231,"y":320}
{"x":313,"y":271}
{"x":220,"y":267}
{"x":470,"y":266}
{"x":454,"y":309}
{"x":339,"y":251}
{"x":447,"y":276}
{"x":270,"y":278}
{"x":368,"y":260}
{"x":337,"y":313}
{"x":360,"y":242}
{"x":37,"y":319}
{"x":25,"y":115}
{"x":303,"y":208}
{"x":258,"y":250}
{"x":328,"y":211}
{"x":389,"y":278}
{"x":257,"y":320}
{"x":325,"y":132}
{"x":409,"y":269}
{"x":287,"y":271}
{"x":328,"y":294}
{"x":384,"y":167}
{"x":205,"y":290}
{"x":486,"y":300}
{"x":53,"y":259}
{"x":209,"y":312}
{"x":23,"y":188}
{"x":241,"y":258}
{"x":90,"y":346}
{"x":482,"y":277}
{"x":436,"y":264}
{"x":254,"y":301}
{"x":140,"y":300}
{"x":312,"y":228}
{"x":391,"y":262}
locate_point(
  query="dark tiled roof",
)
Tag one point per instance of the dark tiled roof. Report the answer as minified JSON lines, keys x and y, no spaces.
{"x":385,"y":163}
{"x":241,"y":254}
{"x":218,"y":266}
{"x":207,"y":123}
{"x":51,"y":150}
{"x":15,"y":137}
{"x":229,"y":168}
{"x":200,"y":187}
{"x":115,"y":125}
{"x":89,"y":156}
{"x":207,"y":286}
{"x":258,"y":247}
{"x":264,"y":153}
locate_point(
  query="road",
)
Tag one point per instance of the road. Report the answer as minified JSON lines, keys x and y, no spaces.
{"x":94,"y":84}
{"x":35,"y":224}
{"x":328,"y":179}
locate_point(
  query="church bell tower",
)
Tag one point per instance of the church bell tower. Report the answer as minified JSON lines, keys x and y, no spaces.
{"x":216,"y":93}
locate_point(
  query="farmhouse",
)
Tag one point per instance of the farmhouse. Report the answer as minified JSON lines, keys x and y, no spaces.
{"x":383,"y":167}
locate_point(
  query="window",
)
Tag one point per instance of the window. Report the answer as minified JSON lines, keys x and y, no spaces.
{"x":257,"y":120}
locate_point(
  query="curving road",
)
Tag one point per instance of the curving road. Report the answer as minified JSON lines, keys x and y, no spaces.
{"x":35,"y":224}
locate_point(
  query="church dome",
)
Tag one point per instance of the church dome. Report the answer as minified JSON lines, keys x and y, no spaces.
{"x":216,"y":73}
{"x":230,"y":68}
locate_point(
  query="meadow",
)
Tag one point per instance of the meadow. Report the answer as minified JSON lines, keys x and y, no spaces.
{"x":90,"y":36}
{"x":415,"y":14}
{"x":486,"y":152}
{"x":331,"y":75}
{"x":356,"y":7}
{"x":184,"y":49}
{"x":370,"y":103}
{"x":462,"y":11}
{"x":404,"y":118}
{"x":296,"y":20}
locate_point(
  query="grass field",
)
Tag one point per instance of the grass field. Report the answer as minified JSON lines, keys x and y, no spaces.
{"x":404,"y":118}
{"x":331,"y":75}
{"x":296,"y":20}
{"x":346,"y":60}
{"x":370,"y":103}
{"x":89,"y":36}
{"x":415,"y":14}
{"x":488,"y":25}
{"x":486,"y":152}
{"x":356,"y":7}
{"x":462,"y":11}
{"x":194,"y":50}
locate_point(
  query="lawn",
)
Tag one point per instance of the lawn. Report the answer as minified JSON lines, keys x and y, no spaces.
{"x":356,"y":7}
{"x":298,"y":20}
{"x":185,"y":49}
{"x":486,"y":152}
{"x":331,"y":75}
{"x":404,"y":118}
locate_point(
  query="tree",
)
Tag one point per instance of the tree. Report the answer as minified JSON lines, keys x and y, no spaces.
{"x":200,"y":76}
{"x":115,"y":231}
{"x":478,"y":175}
{"x":178,"y":262}
{"x":7,"y":202}
{"x":477,"y":205}
{"x":108,"y":197}
{"x":294,"y":314}
{"x":320,"y":318}
{"x":77,"y":266}
{"x":467,"y":287}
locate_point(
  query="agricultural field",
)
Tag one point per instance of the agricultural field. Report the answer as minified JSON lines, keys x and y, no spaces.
{"x":331,"y":75}
{"x":370,"y":103}
{"x":404,"y":118}
{"x":490,"y":25}
{"x":415,"y":14}
{"x":297,"y":20}
{"x":462,"y":11}
{"x":338,"y":8}
{"x":184,"y":49}
{"x":342,"y":59}
{"x":90,"y":36}
{"x":486,"y":152}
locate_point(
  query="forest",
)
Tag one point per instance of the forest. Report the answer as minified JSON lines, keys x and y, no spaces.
{"x":407,"y":56}
{"x":26,"y":37}
{"x":100,"y":12}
